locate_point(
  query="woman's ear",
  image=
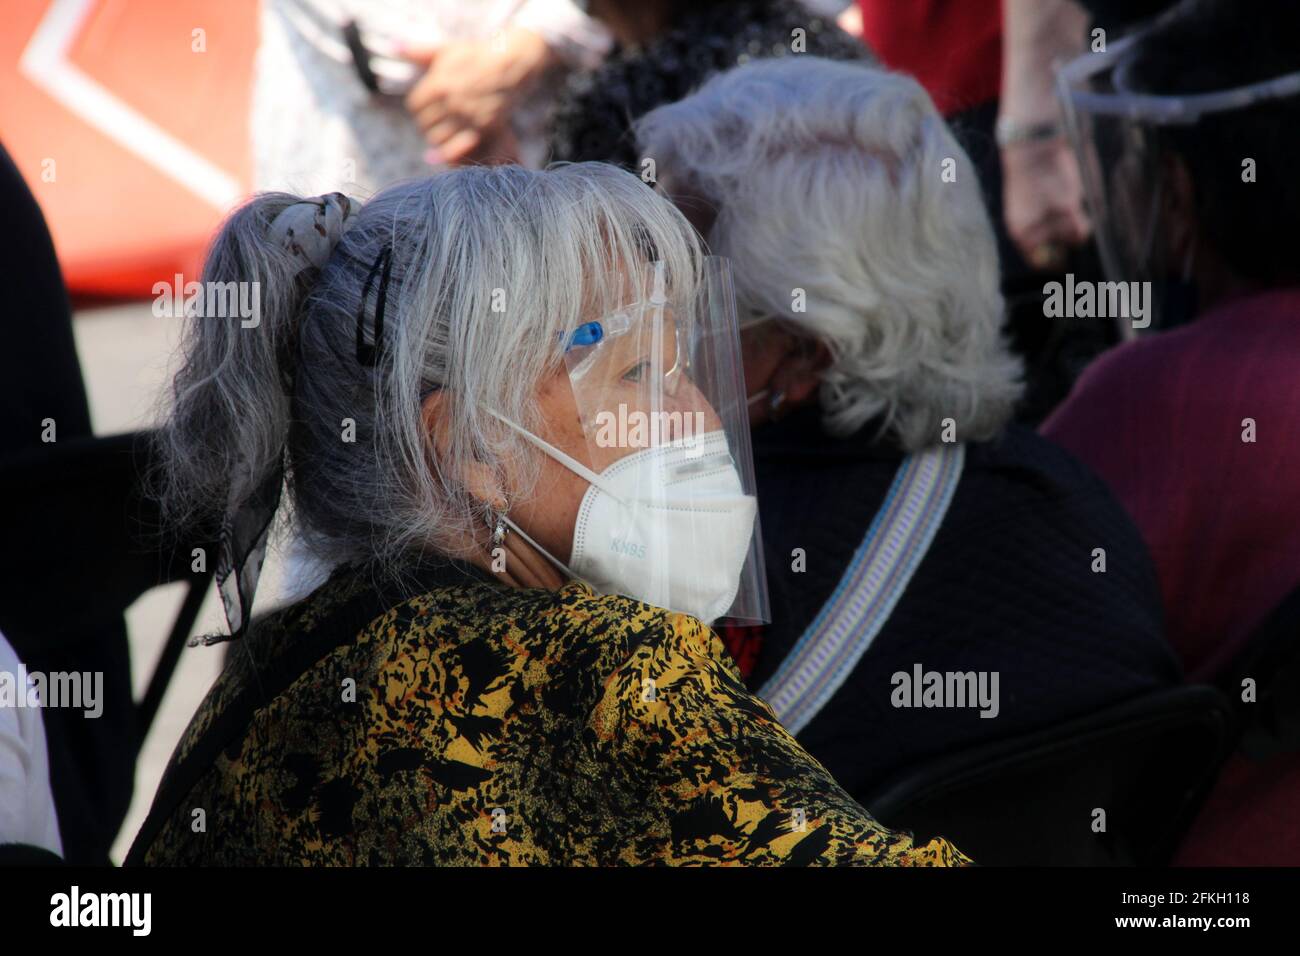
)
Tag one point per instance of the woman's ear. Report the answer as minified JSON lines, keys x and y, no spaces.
{"x":478,"y":478}
{"x":764,"y":348}
{"x":800,"y":373}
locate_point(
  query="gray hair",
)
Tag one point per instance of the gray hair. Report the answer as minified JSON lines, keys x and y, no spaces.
{"x":827,"y":177}
{"x":492,"y":269}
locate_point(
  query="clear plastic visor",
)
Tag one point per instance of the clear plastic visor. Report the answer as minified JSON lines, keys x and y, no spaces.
{"x":659,"y":389}
{"x":1116,"y":132}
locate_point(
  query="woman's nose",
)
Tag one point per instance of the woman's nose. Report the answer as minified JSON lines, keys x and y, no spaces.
{"x":694,"y":407}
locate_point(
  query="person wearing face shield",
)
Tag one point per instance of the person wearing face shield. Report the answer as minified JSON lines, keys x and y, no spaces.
{"x":911,"y":530}
{"x":508,"y":409}
{"x":1188,"y":134}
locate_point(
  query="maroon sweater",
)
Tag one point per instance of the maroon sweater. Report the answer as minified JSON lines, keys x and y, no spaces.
{"x":1162,"y":421}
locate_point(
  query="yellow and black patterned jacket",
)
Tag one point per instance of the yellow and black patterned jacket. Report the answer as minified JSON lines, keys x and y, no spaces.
{"x":478,"y":724}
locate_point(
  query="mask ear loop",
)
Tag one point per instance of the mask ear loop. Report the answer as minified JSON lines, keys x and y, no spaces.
{"x":577,"y":467}
{"x":560,"y":565}
{"x":559,"y":456}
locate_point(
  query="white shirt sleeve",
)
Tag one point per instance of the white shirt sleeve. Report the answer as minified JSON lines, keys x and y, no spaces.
{"x":577,"y":39}
{"x":27,"y":813}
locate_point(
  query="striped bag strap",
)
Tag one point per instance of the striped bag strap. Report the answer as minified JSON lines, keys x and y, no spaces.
{"x":875,"y":579}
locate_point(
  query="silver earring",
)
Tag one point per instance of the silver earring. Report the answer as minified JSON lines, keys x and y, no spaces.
{"x":499,"y":529}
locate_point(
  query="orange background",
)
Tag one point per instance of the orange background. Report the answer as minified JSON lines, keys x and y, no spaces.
{"x":119,"y":223}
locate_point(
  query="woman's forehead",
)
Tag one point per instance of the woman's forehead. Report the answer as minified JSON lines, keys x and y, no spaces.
{"x":625,"y":282}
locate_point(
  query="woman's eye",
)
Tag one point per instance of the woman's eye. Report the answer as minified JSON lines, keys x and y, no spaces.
{"x":636,"y":372}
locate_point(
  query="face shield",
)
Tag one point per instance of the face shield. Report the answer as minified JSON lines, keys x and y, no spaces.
{"x":671,"y":514}
{"x":1119,"y":135}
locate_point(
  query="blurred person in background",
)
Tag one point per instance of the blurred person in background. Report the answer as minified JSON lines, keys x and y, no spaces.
{"x":906,"y":521}
{"x":44,"y":408}
{"x":1039,"y":192}
{"x":470,"y":80}
{"x":511,"y":664}
{"x":1042,"y":194}
{"x":667,"y":48}
{"x":989,"y":66}
{"x":28,"y":817}
{"x":1188,"y":137}
{"x":954,"y":49}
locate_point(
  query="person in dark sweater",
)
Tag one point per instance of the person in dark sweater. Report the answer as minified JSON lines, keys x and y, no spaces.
{"x":665,"y":49}
{"x":1007,"y":587}
{"x":1194,"y":428}
{"x":938,"y":578}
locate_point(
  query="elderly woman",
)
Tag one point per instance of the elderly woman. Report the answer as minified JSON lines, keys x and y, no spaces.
{"x":482,"y":680}
{"x":939,"y":577}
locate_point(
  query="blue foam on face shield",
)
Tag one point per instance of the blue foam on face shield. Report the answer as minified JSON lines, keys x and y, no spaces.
{"x":589,"y":333}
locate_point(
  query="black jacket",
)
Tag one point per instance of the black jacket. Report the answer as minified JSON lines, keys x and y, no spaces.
{"x":1007,"y":586}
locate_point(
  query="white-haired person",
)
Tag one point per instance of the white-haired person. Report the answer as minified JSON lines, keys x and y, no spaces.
{"x":920,"y":548}
{"x":483,"y":679}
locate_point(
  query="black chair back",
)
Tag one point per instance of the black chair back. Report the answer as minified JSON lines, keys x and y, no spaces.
{"x":1147,"y":764}
{"x":1270,"y":724}
{"x":82,"y":543}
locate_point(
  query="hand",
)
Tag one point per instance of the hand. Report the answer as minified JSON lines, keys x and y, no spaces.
{"x":497,"y":147}
{"x":470,"y":87}
{"x":1042,"y":201}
